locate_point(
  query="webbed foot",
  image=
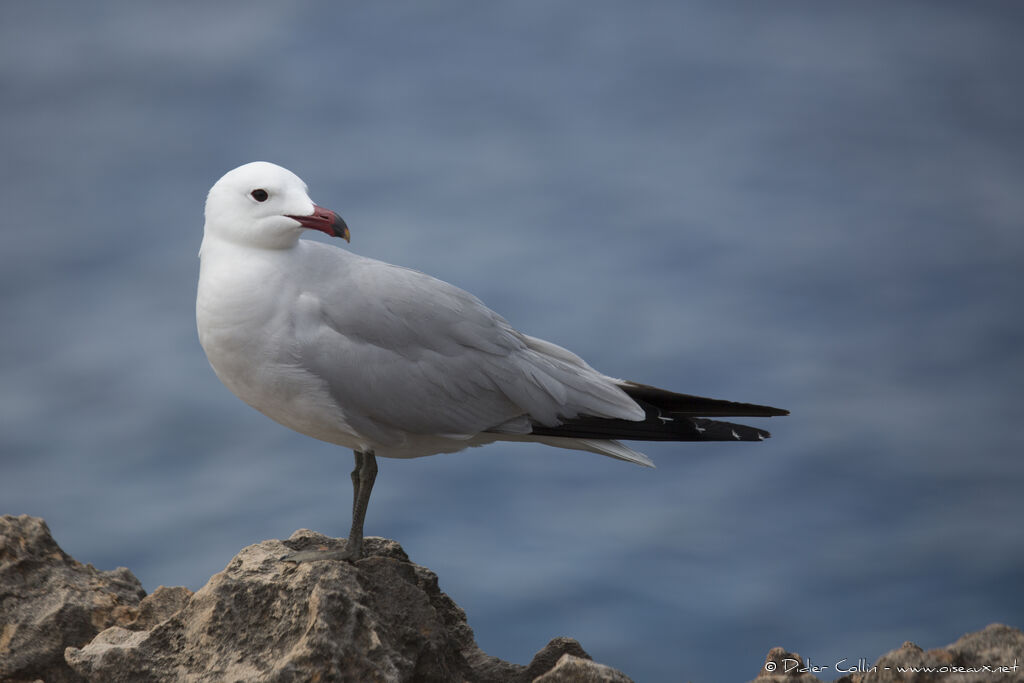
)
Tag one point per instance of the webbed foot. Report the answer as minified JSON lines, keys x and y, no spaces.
{"x":363,"y":477}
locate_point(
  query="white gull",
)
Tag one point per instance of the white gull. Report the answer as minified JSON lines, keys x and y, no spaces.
{"x":389,"y":361}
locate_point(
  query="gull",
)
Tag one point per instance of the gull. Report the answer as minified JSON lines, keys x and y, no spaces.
{"x":388,"y":361}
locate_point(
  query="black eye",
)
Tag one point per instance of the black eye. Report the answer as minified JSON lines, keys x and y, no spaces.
{"x":259,"y":195}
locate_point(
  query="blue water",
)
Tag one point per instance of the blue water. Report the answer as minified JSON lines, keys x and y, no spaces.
{"x":815,"y":206}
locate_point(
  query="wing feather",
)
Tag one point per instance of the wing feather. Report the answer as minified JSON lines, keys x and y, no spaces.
{"x":402,"y":352}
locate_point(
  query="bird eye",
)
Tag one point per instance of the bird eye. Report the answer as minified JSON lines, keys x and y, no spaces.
{"x":259,"y":195}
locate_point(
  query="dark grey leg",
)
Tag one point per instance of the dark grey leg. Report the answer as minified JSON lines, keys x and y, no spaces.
{"x":363,"y":476}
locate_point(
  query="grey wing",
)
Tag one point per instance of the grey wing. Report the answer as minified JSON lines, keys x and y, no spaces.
{"x":402,"y":352}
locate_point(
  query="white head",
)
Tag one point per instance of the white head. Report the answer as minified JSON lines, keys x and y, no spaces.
{"x":262,"y":204}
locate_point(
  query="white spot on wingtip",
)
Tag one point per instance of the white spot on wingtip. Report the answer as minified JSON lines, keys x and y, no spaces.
{"x":735,"y":435}
{"x":760,"y":436}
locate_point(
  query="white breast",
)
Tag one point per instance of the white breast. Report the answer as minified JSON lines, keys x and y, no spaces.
{"x":248,"y":309}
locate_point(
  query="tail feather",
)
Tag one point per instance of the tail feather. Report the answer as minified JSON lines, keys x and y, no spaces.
{"x":613,"y":449}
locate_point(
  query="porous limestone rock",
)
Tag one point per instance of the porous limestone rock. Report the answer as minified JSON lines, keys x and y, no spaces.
{"x":996,"y":653}
{"x":49,"y":601}
{"x":382,"y":618}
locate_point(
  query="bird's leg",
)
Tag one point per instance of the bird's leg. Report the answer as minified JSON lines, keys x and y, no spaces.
{"x":363,"y":476}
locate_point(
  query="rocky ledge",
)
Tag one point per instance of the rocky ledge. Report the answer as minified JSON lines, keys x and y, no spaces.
{"x":261,"y":619}
{"x":380,"y":619}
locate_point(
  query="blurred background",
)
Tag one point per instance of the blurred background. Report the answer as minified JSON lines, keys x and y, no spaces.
{"x":817,"y":206}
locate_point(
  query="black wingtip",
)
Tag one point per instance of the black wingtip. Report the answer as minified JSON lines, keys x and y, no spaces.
{"x":697,"y":406}
{"x":714,"y":430}
{"x":669,"y":417}
{"x":657,"y":426}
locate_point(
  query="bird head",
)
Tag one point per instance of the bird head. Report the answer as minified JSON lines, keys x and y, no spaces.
{"x":262,"y":204}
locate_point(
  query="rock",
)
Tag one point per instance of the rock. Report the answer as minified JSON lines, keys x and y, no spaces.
{"x":49,"y":601}
{"x":159,"y":606}
{"x":781,"y":666}
{"x":572,"y":669}
{"x":995,"y":653}
{"x":382,"y":618}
